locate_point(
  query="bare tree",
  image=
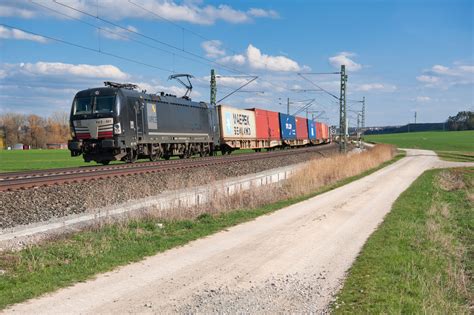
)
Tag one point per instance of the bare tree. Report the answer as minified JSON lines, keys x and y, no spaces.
{"x":58,"y":127}
{"x":35,"y":134}
{"x":12,"y":124}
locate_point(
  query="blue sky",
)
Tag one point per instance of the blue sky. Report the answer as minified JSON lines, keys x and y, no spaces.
{"x":403,"y":56}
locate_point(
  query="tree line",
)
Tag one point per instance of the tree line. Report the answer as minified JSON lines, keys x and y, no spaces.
{"x":35,"y":130}
{"x":462,"y":121}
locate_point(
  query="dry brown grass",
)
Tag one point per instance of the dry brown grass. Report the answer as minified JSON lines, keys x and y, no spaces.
{"x":450,"y":180}
{"x":319,"y":173}
{"x":313,"y":176}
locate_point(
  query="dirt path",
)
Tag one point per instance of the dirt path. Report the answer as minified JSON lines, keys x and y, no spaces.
{"x":292,"y":260}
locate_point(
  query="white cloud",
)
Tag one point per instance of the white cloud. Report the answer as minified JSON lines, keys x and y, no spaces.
{"x":187,"y":11}
{"x":10,"y":10}
{"x":45,"y":87}
{"x":13,"y":33}
{"x":256,"y":101}
{"x":467,"y":69}
{"x":343,"y":59}
{"x":235,"y":81}
{"x":234,"y":59}
{"x":256,"y":12}
{"x":427,"y":79}
{"x":257,"y":60}
{"x":81,"y":70}
{"x":423,"y":99}
{"x":443,"y":77}
{"x":375,"y":87}
{"x":439,"y":69}
{"x":213,"y":48}
{"x":118,"y":33}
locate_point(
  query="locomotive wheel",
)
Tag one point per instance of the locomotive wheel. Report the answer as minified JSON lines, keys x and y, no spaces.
{"x":166,"y":157}
{"x":131,"y":156}
{"x":154,"y":157}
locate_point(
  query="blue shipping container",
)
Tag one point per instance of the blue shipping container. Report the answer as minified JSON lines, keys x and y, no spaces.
{"x":311,"y":129}
{"x":287,"y":127}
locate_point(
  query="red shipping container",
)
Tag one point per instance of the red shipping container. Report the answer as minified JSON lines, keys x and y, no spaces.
{"x":319,"y":130}
{"x":268,"y":124}
{"x":301,"y":128}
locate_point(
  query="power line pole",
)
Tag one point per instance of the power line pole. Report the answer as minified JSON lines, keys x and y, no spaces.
{"x":213,"y":88}
{"x":363,"y":114}
{"x":415,"y":117}
{"x":342,"y":112}
{"x":358,"y":122}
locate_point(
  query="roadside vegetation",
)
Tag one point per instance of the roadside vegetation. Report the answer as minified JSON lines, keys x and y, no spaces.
{"x":420,"y":260}
{"x":76,"y":257}
{"x":449,"y":145}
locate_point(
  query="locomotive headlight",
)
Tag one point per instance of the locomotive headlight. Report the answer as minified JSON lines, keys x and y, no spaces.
{"x":117,"y":129}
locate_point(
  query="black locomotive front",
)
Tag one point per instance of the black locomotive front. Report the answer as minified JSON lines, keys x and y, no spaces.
{"x":95,"y":125}
{"x":117,"y":122}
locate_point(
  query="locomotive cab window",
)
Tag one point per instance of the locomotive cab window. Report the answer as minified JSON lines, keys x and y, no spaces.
{"x":94,"y":105}
{"x":83,"y":105}
{"x":104,"y":104}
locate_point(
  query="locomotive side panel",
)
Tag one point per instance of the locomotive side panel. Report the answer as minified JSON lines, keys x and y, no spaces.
{"x":178,"y":122}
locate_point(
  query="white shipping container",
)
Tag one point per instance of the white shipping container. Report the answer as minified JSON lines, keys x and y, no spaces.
{"x":237,"y":123}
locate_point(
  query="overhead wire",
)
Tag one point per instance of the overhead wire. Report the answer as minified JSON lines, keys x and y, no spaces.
{"x":117,"y":34}
{"x":219,"y":65}
{"x":177,"y":25}
{"x":88,"y":48}
{"x":230,"y":69}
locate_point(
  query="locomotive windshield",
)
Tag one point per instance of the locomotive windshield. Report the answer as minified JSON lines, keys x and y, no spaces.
{"x":94,"y":105}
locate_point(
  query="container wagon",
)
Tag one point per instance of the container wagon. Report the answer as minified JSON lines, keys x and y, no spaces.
{"x":312,"y":131}
{"x":268,"y":129}
{"x":287,"y":129}
{"x":325,"y":131}
{"x":237,"y":129}
{"x":319,"y":132}
{"x":301,"y":131}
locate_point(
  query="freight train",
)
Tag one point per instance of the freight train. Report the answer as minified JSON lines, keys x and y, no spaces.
{"x":119,"y":122}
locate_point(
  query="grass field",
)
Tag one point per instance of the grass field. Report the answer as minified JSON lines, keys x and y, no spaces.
{"x":79,"y":256}
{"x":449,"y":145}
{"x":420,"y":260}
{"x":23,"y":160}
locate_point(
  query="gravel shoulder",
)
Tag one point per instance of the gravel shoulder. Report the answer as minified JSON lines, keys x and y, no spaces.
{"x":44,"y":203}
{"x":293,"y":260}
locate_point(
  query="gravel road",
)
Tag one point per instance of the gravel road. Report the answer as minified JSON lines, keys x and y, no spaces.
{"x":293,"y":260}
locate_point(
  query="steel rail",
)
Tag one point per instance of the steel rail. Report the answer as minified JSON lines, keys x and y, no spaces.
{"x":31,"y":179}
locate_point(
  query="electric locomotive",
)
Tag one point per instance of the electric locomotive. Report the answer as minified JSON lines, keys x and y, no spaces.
{"x":119,"y":122}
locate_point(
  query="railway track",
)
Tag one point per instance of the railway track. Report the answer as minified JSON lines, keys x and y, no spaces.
{"x":26,"y":180}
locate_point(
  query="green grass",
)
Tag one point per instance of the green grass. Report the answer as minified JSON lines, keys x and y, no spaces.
{"x":77,"y":257}
{"x":449,"y":145}
{"x":420,"y":258}
{"x":24,"y":160}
